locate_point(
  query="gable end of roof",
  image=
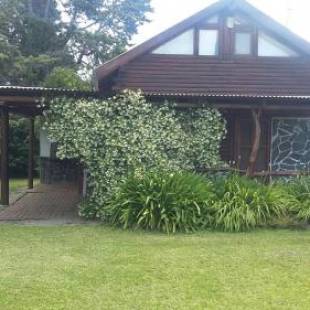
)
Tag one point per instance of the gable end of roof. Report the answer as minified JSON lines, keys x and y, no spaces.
{"x":243,"y":6}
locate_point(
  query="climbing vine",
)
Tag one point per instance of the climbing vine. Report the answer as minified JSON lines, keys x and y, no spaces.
{"x":124,"y":134}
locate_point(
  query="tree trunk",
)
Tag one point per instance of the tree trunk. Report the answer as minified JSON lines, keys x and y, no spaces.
{"x":256,"y":114}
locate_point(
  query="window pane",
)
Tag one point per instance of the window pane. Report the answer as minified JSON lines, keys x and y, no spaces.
{"x":290,"y":144}
{"x":208,"y":42}
{"x":238,"y":20}
{"x":242,"y":43}
{"x":269,"y":47}
{"x":213,"y":19}
{"x":181,"y":45}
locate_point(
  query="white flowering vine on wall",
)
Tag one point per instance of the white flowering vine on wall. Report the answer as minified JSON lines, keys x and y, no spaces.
{"x":126,"y":134}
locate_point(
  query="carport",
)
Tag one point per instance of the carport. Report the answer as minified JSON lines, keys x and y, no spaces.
{"x":26,"y":102}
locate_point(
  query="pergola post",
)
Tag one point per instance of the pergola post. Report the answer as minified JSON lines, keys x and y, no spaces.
{"x":5,"y":191}
{"x":31,"y":153}
{"x":256,"y":114}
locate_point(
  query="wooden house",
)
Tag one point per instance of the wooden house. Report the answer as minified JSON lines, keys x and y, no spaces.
{"x":233,"y":57}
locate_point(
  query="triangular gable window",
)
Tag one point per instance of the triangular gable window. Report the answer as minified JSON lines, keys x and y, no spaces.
{"x":269,"y":47}
{"x":212,"y":20}
{"x":180,"y":45}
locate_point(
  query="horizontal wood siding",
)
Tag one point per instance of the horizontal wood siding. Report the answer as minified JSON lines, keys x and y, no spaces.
{"x":203,"y":75}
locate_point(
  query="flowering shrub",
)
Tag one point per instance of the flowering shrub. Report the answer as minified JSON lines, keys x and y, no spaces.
{"x":205,"y":129}
{"x":117,"y":136}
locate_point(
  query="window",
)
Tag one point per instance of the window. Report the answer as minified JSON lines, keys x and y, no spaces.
{"x":181,"y":45}
{"x":243,"y":44}
{"x":290,"y":144}
{"x":269,"y":47}
{"x":208,"y":42}
{"x":240,"y":21}
{"x":235,"y":21}
{"x":212,"y":20}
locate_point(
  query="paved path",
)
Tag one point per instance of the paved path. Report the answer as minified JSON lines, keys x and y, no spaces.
{"x":55,"y":203}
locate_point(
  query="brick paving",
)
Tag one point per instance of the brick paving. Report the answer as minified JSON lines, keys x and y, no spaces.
{"x":45,"y":202}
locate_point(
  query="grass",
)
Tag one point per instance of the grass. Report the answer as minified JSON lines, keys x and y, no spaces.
{"x":93,"y":267}
{"x":20,"y":184}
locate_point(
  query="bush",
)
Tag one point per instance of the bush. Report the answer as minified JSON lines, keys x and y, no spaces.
{"x":299,"y":189}
{"x":242,"y":204}
{"x":162,"y":201}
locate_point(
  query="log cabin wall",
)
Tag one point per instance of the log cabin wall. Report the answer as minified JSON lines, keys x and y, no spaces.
{"x":202,"y":75}
{"x":237,"y":145}
{"x":228,"y":52}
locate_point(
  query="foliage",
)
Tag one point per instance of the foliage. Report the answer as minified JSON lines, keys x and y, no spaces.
{"x":162,"y":201}
{"x":39,"y":35}
{"x":206,"y":128}
{"x":18,"y":146}
{"x":20,"y":184}
{"x":117,"y":136}
{"x":299,"y":189}
{"x":243,"y":204}
{"x":66,"y":78}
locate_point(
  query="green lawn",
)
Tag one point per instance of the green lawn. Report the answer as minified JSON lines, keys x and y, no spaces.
{"x":93,"y":267}
{"x":20,"y":184}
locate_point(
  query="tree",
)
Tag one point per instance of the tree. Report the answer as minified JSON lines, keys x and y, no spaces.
{"x":66,"y":77}
{"x":48,"y":42}
{"x":97,"y":30}
{"x":38,"y":35}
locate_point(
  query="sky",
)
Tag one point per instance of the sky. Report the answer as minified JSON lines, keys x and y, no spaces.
{"x":292,"y":13}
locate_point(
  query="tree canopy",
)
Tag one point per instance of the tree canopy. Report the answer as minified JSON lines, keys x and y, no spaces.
{"x":36,"y":36}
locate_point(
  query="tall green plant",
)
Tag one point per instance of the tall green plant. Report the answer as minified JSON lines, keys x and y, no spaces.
{"x":243,"y":204}
{"x":299,"y":189}
{"x":161,"y":201}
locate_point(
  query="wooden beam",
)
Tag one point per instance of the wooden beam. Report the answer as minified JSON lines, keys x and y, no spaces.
{"x":256,"y":114}
{"x":237,"y":142}
{"x":4,"y":157}
{"x":20,"y":99}
{"x":31,"y":153}
{"x":234,"y":104}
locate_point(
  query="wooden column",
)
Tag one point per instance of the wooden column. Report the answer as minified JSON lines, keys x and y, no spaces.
{"x":5,"y":190}
{"x":31,"y":153}
{"x":237,"y":142}
{"x":256,"y":114}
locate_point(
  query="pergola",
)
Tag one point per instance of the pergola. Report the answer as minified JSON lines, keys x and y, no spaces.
{"x":27,"y":102}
